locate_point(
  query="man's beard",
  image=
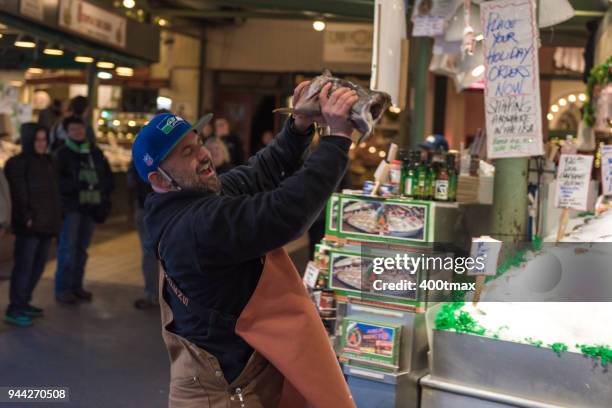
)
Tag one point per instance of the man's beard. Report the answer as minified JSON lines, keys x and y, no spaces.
{"x":193,"y":182}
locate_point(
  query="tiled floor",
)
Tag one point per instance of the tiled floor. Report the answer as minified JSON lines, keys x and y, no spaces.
{"x":108,"y":353}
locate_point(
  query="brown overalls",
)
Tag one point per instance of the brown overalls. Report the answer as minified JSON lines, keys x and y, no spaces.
{"x":293,"y":360}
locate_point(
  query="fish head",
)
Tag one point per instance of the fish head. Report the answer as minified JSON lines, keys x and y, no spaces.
{"x":368,"y":110}
{"x":310,"y":95}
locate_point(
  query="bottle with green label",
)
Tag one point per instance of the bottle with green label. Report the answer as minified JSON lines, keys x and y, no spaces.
{"x":409,"y":180}
{"x":442,"y":182}
{"x":452,"y":177}
{"x":421,"y":178}
{"x":430,"y":177}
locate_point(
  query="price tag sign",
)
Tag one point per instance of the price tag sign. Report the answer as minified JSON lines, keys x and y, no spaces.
{"x":512,"y":79}
{"x":485,"y":251}
{"x":573,"y":177}
{"x":606,"y":169}
{"x":311,"y":275}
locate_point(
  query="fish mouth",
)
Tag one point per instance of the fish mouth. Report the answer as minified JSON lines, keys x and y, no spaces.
{"x":376,"y":110}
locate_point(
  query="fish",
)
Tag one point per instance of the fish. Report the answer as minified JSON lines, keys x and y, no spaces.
{"x":364,"y":114}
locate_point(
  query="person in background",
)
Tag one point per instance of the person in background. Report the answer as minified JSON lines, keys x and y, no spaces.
{"x":207,"y":131}
{"x":219,"y":153}
{"x":5,"y":205}
{"x":36,"y":219}
{"x":232,"y":141}
{"x":266,"y":138}
{"x":51,"y":115}
{"x":85,"y":183}
{"x":149,"y":263}
{"x":79,"y":107}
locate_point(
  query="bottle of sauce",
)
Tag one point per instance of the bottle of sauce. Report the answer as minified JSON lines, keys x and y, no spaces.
{"x":421,"y":177}
{"x":395,"y":176}
{"x":453,"y":178}
{"x":409,"y":178}
{"x":441,"y":184}
{"x":430,"y":177}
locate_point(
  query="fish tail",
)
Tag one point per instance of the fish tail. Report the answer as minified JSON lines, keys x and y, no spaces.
{"x":284,"y":111}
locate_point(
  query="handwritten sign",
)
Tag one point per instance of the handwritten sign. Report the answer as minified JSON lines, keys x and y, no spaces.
{"x":311,"y":275}
{"x":512,"y":79}
{"x":486,"y":250}
{"x":573,"y":178}
{"x":606,"y":169}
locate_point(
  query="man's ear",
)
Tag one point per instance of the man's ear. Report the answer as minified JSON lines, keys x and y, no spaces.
{"x":159,"y":182}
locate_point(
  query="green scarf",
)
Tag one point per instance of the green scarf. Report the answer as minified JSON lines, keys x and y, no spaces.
{"x":89,"y":192}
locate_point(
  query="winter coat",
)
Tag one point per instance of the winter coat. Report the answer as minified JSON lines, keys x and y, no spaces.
{"x":5,"y":202}
{"x":34,"y":193}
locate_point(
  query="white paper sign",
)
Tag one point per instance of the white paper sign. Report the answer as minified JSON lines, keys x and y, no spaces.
{"x":606,"y":169}
{"x":93,"y":22}
{"x":487,"y":249}
{"x":311,"y":275}
{"x":573,"y":178}
{"x":512,"y":79}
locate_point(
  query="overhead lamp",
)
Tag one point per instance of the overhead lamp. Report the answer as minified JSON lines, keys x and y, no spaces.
{"x":550,"y":116}
{"x":53,"y":50}
{"x":25,"y":41}
{"x":571,"y":98}
{"x":162,"y":22}
{"x":554,"y":108}
{"x":372,"y":149}
{"x":104,"y":75}
{"x":116,"y":122}
{"x":1,"y":35}
{"x":382,"y":154}
{"x":84,"y":59}
{"x":129,"y":4}
{"x":582,"y":97}
{"x":476,"y":72}
{"x":562,"y":102}
{"x":319,"y":25}
{"x":124,"y":71}
{"x":362,"y":145}
{"x":34,"y":70}
{"x":131,"y":123}
{"x":105,"y":64}
{"x":164,"y":102}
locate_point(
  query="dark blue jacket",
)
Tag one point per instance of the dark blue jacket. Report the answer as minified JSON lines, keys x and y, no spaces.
{"x":213,"y":246}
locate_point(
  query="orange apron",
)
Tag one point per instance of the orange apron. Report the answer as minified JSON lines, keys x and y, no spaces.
{"x":292,"y":351}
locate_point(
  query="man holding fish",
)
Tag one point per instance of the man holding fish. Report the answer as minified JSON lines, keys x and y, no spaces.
{"x":237,"y":322}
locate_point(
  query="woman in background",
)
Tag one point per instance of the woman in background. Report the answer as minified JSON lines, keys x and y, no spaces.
{"x":220,"y":154}
{"x":36,"y":218}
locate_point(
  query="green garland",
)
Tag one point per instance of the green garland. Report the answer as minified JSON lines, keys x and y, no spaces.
{"x":603,"y":353}
{"x":451,"y":318}
{"x":600,"y":75}
{"x":558,"y":348}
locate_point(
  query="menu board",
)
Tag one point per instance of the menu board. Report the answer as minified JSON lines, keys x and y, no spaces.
{"x":573,"y":177}
{"x":606,"y":169}
{"x":512,"y":84}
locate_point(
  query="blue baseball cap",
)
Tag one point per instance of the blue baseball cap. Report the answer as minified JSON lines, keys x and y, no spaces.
{"x":157,"y":138}
{"x":435,"y":142}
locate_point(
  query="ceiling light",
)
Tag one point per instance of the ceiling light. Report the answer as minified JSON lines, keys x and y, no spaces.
{"x":562,"y":102}
{"x":104,"y":75}
{"x":164,"y":102}
{"x":105,"y":65}
{"x":116,"y":122}
{"x":124,"y":71}
{"x":318,"y":25}
{"x":84,"y":59}
{"x":131,"y":123}
{"x":550,"y":116}
{"x":25,"y":41}
{"x":34,"y":70}
{"x":162,"y":22}
{"x":476,"y":72}
{"x":128,"y":4}
{"x":582,"y":97}
{"x":571,"y":98}
{"x":372,"y":149}
{"x":101,"y":122}
{"x":53,"y":50}
{"x":1,"y":35}
{"x":554,"y":108}
{"x":382,"y":154}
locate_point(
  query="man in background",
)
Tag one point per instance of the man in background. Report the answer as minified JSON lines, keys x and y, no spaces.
{"x":85,"y":183}
{"x":232,"y":141}
{"x":79,"y":107}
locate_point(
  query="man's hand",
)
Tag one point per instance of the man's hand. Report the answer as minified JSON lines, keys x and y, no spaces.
{"x":335,"y":109}
{"x":301,"y":122}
